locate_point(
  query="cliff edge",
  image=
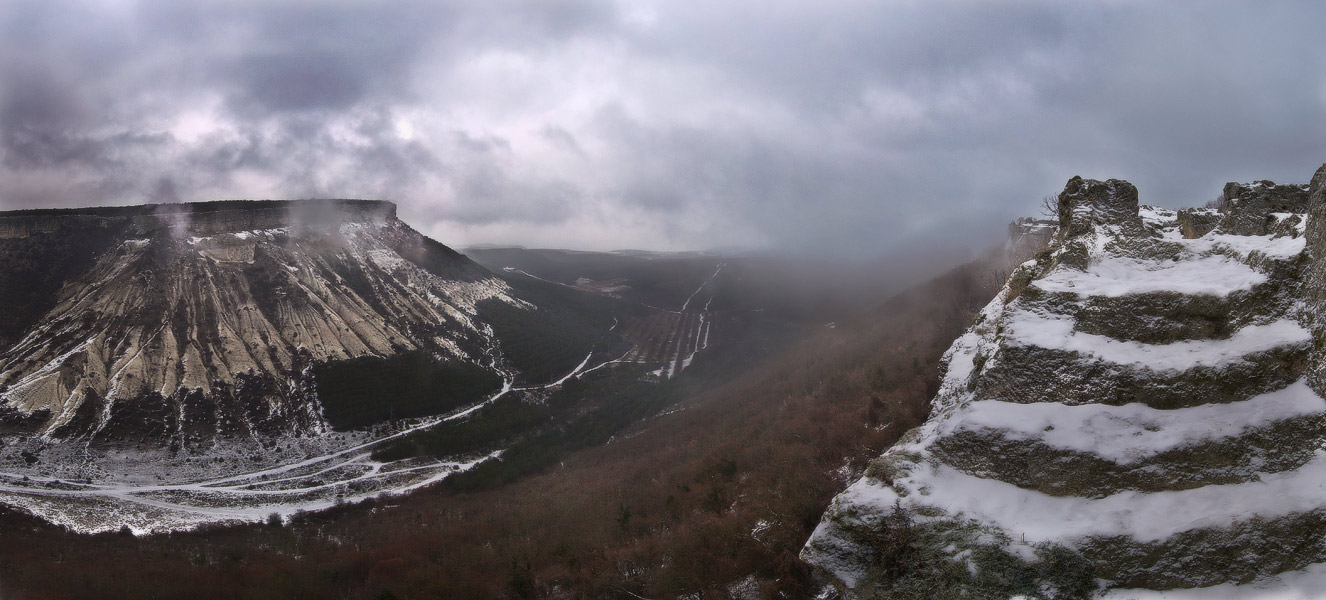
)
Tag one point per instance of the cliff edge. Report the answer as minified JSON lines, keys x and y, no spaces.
{"x":1140,"y":408}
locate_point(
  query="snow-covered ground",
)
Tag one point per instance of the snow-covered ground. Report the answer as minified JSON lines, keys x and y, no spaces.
{"x":1028,"y":328}
{"x":1133,"y":432}
{"x":1141,"y":516}
{"x":345,"y":474}
{"x":337,"y":475}
{"x":1121,"y":276}
{"x":690,"y":340}
{"x":1307,"y":584}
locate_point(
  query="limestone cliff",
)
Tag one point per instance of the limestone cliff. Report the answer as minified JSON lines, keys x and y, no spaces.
{"x":165,"y":367}
{"x":1140,"y":407}
{"x":184,"y":322}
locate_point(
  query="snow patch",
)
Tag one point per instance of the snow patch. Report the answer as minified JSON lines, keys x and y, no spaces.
{"x":1244,"y":245}
{"x":1118,"y":276}
{"x":1307,"y":584}
{"x":1026,"y":328}
{"x":1142,"y":516}
{"x":1134,"y":432}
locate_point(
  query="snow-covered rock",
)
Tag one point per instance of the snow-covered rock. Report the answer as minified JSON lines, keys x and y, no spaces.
{"x":1140,"y":408}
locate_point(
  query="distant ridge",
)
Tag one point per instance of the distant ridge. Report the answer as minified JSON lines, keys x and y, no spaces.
{"x":200,"y":207}
{"x":206,"y":218}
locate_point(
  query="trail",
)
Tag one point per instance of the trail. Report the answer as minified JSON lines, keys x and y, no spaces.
{"x":702,"y":286}
{"x":533,"y":276}
{"x":619,"y":359}
{"x":315,"y":483}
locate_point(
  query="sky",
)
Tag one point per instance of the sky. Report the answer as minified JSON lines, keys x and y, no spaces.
{"x":833,"y":128}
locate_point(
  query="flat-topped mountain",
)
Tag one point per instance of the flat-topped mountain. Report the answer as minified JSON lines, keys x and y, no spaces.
{"x":1140,"y":407}
{"x":184,"y":322}
{"x":200,"y":342}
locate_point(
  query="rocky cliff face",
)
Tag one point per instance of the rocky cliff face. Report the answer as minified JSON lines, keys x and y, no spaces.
{"x":1028,"y":236}
{"x":1140,"y":407}
{"x":163,"y":367}
{"x":180,"y":324}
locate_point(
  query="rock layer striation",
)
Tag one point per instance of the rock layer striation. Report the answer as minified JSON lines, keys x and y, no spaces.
{"x":1140,"y":407}
{"x":182,"y":324}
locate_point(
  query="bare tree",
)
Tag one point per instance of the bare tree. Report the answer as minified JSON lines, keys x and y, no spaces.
{"x":1050,"y":207}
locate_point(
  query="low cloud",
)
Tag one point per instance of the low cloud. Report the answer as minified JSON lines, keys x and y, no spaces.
{"x":845,"y":129}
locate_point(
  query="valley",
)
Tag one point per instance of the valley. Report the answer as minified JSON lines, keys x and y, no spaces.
{"x":599,"y":368}
{"x":710,"y":485}
{"x":605,"y":444}
{"x":642,"y":300}
{"x":280,"y":393}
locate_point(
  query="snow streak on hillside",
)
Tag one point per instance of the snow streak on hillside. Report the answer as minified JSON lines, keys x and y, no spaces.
{"x":343,"y":472}
{"x":692,"y":334}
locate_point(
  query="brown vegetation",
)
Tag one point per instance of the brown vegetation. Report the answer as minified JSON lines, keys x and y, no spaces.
{"x":723,"y":487}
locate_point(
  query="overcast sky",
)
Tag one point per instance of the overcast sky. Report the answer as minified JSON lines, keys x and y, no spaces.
{"x":843,"y":128}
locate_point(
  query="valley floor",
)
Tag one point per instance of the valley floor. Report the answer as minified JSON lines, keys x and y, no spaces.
{"x":344,"y":472}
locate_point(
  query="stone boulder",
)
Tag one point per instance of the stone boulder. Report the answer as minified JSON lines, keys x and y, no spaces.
{"x":1314,"y":285}
{"x":1085,"y":203}
{"x":1197,"y":222}
{"x":1251,"y":208}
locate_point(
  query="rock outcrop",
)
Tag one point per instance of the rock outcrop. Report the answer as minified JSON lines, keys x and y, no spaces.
{"x":1028,"y":236}
{"x":1140,"y":407}
{"x":1256,"y":208}
{"x":1315,"y":287}
{"x":1197,"y":222}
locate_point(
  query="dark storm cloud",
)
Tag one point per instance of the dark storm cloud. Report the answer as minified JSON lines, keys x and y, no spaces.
{"x":826,"y":56}
{"x":846,"y":128}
